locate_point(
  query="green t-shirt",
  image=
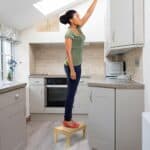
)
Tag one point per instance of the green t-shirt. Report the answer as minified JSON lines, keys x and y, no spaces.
{"x":77,"y":46}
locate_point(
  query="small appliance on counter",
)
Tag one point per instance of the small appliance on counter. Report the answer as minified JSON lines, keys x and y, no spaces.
{"x":115,"y":69}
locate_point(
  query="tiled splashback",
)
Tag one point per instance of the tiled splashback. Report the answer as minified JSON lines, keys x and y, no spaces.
{"x":49,"y":58}
{"x":134,"y":62}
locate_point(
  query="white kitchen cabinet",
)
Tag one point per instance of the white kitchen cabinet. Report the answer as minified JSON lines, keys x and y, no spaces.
{"x":101,"y":119}
{"x":81,"y":102}
{"x":121,"y":22}
{"x":124,"y":24}
{"x":115,"y":118}
{"x":12,"y":120}
{"x":129,"y":108}
{"x":139,"y":22}
{"x":36,"y":95}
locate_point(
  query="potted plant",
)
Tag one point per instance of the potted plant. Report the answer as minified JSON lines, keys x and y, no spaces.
{"x":12,"y":64}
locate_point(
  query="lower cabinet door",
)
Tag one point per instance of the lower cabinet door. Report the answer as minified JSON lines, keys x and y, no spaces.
{"x":129,"y":108}
{"x":101,"y":119}
{"x":81,"y":102}
{"x":36,"y":98}
{"x":13,"y":127}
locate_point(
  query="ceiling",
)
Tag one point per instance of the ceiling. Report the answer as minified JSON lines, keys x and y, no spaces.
{"x":21,"y":14}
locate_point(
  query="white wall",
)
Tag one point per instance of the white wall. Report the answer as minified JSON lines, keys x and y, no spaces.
{"x":146,"y":55}
{"x":94,"y":31}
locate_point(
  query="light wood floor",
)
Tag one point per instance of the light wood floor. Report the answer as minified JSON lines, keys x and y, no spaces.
{"x":40,"y":133}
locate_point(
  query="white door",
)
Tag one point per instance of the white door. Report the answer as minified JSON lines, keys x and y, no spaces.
{"x":129,"y":108}
{"x":13,"y":126}
{"x":81,"y":103}
{"x":138,"y":21}
{"x":36,"y":98}
{"x":101,"y":119}
{"x":121,"y":22}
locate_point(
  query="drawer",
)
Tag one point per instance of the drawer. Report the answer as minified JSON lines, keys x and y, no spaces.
{"x":11,"y":97}
{"x":36,"y":81}
{"x":102,"y":92}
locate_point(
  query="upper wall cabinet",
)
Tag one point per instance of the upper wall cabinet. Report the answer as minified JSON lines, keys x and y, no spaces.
{"x":124,"y":25}
{"x":139,"y":22}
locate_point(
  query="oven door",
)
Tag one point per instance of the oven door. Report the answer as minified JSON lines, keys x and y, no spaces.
{"x":56,"y":95}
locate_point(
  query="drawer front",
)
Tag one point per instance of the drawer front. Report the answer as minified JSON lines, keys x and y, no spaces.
{"x":37,"y":81}
{"x":11,"y":97}
{"x":101,"y":92}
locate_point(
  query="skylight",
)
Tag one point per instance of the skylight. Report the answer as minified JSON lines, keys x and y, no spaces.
{"x":49,"y":6}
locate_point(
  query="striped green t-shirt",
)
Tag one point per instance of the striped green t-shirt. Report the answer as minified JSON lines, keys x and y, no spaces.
{"x":77,"y":46}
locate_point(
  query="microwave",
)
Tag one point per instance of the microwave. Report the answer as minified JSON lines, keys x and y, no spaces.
{"x":114,"y":69}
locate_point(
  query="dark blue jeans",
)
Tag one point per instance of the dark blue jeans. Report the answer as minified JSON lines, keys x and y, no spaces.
{"x":71,"y":90}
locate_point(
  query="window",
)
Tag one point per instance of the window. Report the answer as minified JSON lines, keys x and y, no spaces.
{"x":46,"y":6}
{"x":0,"y":61}
{"x":6,"y":55}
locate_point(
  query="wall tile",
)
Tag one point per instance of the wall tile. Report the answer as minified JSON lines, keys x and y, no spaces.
{"x":135,"y":70}
{"x":50,"y":59}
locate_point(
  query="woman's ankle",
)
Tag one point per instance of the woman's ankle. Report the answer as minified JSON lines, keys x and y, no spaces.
{"x":68,"y":120}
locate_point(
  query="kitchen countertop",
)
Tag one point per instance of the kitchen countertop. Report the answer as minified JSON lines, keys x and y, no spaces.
{"x":53,"y":75}
{"x":99,"y":81}
{"x":92,"y":81}
{"x":9,"y":86}
{"x":96,"y":81}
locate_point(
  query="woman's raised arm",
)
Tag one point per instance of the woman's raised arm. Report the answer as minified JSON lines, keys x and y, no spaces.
{"x":88,"y":13}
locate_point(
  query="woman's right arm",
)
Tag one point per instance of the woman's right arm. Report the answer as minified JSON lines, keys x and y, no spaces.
{"x":88,"y":13}
{"x":68,"y":46}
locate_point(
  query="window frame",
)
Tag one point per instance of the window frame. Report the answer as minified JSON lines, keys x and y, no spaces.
{"x":1,"y":67}
{"x":2,"y":40}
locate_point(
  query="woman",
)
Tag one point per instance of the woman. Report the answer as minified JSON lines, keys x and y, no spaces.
{"x":74,"y":39}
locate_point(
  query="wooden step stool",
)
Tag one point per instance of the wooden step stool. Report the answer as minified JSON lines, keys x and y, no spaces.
{"x":68,"y":132}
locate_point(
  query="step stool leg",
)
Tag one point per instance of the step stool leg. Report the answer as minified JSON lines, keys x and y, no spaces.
{"x":55,"y":135}
{"x":67,"y":140}
{"x":84,"y":132}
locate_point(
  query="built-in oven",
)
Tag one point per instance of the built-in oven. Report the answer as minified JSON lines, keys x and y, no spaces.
{"x":56,"y":91}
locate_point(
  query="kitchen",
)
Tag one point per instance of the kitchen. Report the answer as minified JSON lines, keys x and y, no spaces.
{"x":113,"y":94}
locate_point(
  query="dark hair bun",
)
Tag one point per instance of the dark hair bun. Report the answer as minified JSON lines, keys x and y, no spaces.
{"x":63,"y":19}
{"x":67,"y":16}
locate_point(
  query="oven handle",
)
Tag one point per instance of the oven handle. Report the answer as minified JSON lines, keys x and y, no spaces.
{"x":56,"y":86}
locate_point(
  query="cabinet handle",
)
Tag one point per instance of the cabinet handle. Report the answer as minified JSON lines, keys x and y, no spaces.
{"x":16,"y":96}
{"x":91,"y":97}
